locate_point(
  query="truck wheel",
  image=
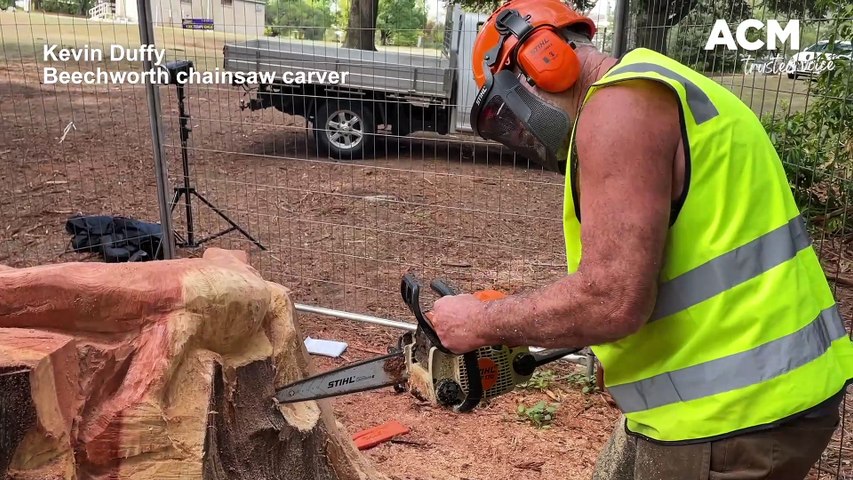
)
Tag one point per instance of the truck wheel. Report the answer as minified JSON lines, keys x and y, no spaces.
{"x":344,"y":129}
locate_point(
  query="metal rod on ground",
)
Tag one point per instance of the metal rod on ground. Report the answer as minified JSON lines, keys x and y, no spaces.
{"x":620,"y":28}
{"x":146,"y":37}
{"x":580,"y":359}
{"x":573,"y":358}
{"x":356,"y":316}
{"x":590,"y":366}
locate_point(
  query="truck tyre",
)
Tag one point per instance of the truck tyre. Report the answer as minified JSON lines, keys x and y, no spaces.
{"x":344,"y":129}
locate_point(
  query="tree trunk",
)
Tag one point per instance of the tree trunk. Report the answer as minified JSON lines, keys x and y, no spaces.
{"x":158,"y":370}
{"x":361,"y":28}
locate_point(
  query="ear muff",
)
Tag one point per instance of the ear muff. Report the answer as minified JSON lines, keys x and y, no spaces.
{"x":548,"y":61}
{"x":544,"y":56}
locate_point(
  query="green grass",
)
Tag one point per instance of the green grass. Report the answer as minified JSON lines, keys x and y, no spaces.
{"x":768,"y":94}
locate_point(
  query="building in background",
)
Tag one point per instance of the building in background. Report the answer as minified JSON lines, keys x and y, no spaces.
{"x":232,"y":16}
{"x":24,"y":5}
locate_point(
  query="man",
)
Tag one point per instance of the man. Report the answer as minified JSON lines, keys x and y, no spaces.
{"x":698,"y":288}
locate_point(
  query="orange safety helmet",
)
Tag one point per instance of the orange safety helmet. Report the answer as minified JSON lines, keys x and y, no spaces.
{"x":545,"y":58}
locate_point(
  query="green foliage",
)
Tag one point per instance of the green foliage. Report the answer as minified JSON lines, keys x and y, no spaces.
{"x":797,"y":8}
{"x":691,"y":35}
{"x":580,"y":379}
{"x":342,"y":14}
{"x":401,"y":22}
{"x":54,"y":6}
{"x":540,"y":415}
{"x":545,"y":380}
{"x":816,"y":145}
{"x":67,"y":7}
{"x":4,"y":4}
{"x":299,"y":18}
{"x":541,"y":380}
{"x":654,"y":19}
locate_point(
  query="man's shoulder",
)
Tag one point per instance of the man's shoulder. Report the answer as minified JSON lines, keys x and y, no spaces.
{"x":629,"y":112}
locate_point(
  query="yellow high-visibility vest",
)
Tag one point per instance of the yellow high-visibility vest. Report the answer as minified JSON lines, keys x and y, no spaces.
{"x":745,"y":331}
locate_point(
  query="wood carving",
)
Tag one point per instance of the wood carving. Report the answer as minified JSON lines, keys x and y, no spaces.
{"x":158,"y":370}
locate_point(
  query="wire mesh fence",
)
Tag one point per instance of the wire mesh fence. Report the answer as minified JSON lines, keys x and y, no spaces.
{"x":345,"y":187}
{"x":338,"y":188}
{"x":66,"y":148}
{"x":793,"y":70}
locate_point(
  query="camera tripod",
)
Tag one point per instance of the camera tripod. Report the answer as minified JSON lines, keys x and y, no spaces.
{"x":187,"y":190}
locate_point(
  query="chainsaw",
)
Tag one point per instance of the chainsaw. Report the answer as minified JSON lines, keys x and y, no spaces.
{"x":422,"y":365}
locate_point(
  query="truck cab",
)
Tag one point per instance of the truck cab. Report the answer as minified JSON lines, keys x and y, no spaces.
{"x":469,"y":24}
{"x":384,"y":92}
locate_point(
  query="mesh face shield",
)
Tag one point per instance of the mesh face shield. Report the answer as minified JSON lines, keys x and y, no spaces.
{"x":506,"y":112}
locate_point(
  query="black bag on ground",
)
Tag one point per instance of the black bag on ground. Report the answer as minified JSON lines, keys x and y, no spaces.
{"x":116,"y":239}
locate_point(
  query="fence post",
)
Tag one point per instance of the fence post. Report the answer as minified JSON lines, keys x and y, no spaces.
{"x":146,"y":37}
{"x":620,"y":28}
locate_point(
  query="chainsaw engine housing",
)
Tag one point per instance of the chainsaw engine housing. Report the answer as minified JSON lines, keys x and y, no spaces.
{"x":442,"y":379}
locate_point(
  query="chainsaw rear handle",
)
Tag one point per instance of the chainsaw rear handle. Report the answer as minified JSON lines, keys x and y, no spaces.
{"x":441,"y":288}
{"x":410,"y":290}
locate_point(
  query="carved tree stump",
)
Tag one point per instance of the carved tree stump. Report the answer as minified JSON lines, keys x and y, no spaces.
{"x":158,"y":370}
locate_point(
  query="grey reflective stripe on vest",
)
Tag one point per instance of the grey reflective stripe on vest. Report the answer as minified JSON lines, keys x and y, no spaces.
{"x":731,"y":269}
{"x":734,"y":371}
{"x":701,"y":106}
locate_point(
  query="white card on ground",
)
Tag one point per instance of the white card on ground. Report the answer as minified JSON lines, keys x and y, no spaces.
{"x":328,"y":348}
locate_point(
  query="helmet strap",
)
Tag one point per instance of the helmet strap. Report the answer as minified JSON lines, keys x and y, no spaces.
{"x":509,"y":22}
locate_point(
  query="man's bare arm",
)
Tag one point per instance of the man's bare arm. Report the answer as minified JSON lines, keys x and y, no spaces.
{"x":627,"y":140}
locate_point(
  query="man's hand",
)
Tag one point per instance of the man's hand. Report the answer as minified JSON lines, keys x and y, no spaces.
{"x":457,"y":320}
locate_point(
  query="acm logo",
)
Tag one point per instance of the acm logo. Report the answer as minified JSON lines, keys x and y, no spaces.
{"x":721,"y":35}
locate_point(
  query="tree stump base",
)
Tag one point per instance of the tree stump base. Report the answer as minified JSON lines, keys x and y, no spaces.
{"x":159,"y":370}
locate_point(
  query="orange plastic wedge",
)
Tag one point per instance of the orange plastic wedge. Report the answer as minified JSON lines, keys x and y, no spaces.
{"x":381,"y":433}
{"x":487,"y":295}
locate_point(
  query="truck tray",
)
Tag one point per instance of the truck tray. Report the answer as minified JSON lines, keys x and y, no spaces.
{"x":402,"y":73}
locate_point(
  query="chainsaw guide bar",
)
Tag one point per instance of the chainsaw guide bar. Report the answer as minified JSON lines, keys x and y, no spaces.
{"x":370,"y":374}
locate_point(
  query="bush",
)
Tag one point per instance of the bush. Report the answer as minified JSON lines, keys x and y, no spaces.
{"x":691,"y":35}
{"x":816,"y":148}
{"x":289,"y":17}
{"x":66,"y":8}
{"x":400,"y":22}
{"x":816,"y":145}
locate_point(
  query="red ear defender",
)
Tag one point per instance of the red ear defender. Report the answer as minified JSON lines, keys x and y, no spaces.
{"x":549,"y":61}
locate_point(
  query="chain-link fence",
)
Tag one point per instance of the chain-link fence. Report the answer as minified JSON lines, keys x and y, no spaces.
{"x":66,"y":148}
{"x":339,"y":185}
{"x":339,"y":188}
{"x":793,"y":70}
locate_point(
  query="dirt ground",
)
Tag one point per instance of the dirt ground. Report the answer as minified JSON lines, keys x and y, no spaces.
{"x":339,"y":234}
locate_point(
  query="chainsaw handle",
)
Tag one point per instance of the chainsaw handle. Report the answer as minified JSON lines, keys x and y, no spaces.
{"x":471,"y":360}
{"x":410,"y":289}
{"x":441,"y":288}
{"x":411,"y":292}
{"x":475,"y":383}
